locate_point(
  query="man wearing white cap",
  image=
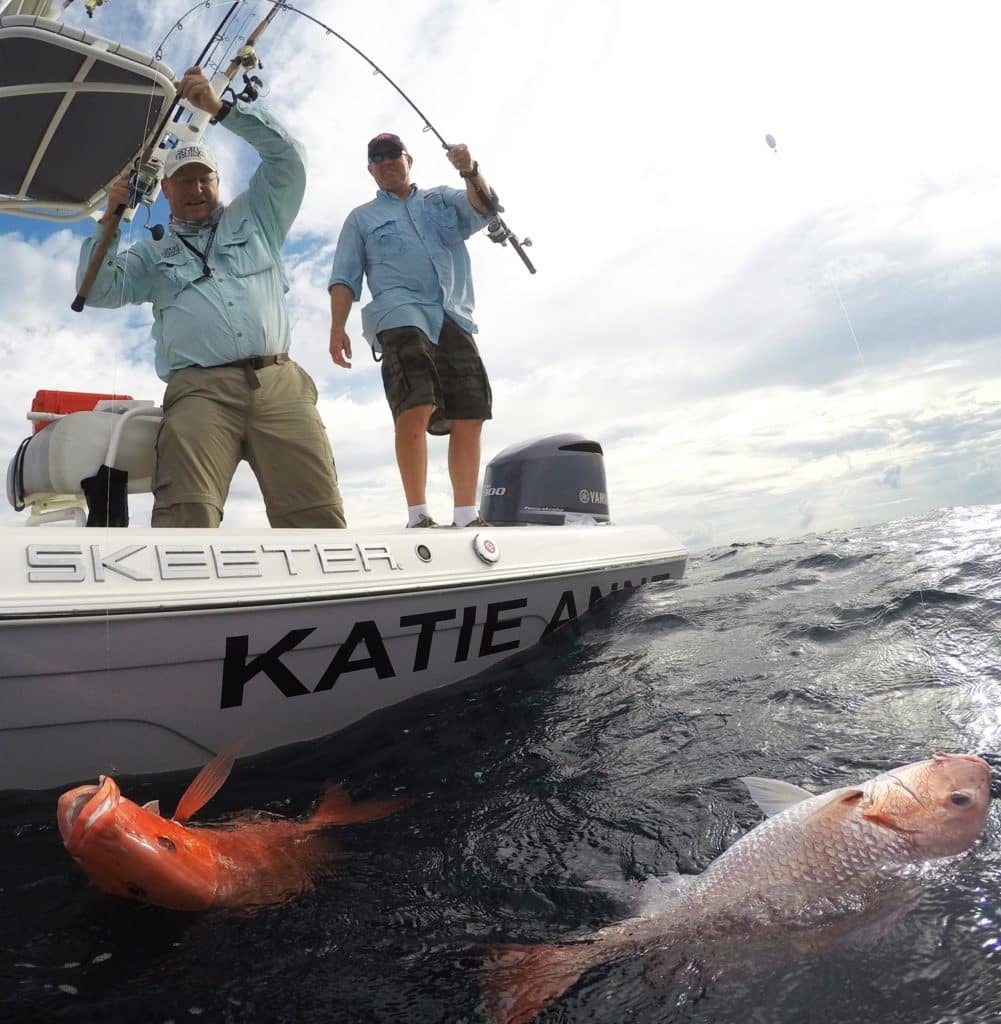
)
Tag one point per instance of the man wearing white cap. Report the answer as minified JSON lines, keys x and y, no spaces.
{"x":220,"y":323}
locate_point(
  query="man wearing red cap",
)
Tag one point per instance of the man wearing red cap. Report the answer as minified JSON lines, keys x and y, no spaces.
{"x":410,"y":245}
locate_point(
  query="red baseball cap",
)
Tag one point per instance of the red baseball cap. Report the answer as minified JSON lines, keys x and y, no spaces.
{"x":384,"y":143}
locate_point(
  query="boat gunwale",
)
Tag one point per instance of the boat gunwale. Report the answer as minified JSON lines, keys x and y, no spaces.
{"x":403,"y":589}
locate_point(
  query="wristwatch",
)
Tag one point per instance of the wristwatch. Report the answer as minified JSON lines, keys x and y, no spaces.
{"x":223,"y":111}
{"x":472,"y":172}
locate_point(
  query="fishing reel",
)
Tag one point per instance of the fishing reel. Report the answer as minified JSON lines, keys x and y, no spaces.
{"x":246,"y":58}
{"x":252,"y":86}
{"x":144,"y":187}
{"x":497,"y":231}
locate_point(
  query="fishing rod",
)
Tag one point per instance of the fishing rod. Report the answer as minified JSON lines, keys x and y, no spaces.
{"x":497,"y":230}
{"x":148,"y":169}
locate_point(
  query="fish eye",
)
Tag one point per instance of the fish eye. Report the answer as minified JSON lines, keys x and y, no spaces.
{"x":167,"y":844}
{"x":960,"y":799}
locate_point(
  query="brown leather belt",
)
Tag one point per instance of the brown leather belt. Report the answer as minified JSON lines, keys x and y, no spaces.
{"x":251,"y":364}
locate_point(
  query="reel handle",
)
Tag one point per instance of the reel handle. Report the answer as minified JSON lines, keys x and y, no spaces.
{"x":519,"y":249}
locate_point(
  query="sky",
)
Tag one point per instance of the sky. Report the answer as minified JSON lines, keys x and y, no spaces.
{"x":765,"y":342}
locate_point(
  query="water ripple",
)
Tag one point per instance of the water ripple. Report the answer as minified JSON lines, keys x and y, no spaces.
{"x":820,"y":661}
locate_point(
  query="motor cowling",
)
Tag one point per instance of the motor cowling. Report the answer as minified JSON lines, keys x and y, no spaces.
{"x":550,"y":481}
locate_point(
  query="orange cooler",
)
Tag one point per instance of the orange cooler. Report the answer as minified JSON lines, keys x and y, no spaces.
{"x":63,"y":402}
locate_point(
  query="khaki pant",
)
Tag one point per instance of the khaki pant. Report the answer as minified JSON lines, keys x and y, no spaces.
{"x":212,"y":419}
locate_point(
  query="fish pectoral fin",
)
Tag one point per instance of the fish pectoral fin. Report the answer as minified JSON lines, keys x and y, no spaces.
{"x":774,"y":796}
{"x":836,"y":802}
{"x":208,"y":781}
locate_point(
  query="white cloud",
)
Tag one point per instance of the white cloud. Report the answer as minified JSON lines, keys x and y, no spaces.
{"x":764,"y":342}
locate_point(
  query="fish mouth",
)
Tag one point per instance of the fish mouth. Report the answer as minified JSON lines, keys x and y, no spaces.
{"x":81,"y":808}
{"x":968,"y":764}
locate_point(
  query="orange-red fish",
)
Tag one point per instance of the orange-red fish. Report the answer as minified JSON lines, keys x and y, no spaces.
{"x":250,"y":861}
{"x":814,"y":859}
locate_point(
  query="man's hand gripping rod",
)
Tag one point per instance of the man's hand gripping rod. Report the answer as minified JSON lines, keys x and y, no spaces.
{"x":148,"y":172}
{"x":497,"y":230}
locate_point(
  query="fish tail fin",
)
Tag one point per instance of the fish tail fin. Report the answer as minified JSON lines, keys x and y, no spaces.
{"x":337,"y":808}
{"x":519,"y":981}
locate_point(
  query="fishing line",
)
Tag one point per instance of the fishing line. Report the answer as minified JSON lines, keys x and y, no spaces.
{"x":497,"y":230}
{"x":875,"y":460}
{"x":428,"y":126}
{"x":830,"y":276}
{"x":142,"y":188}
{"x":848,"y":320}
{"x":179,"y":25}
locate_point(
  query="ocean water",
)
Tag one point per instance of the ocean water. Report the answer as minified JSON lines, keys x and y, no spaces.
{"x":614,"y":755}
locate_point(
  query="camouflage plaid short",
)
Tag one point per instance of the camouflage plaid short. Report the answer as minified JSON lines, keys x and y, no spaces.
{"x":449,"y":376}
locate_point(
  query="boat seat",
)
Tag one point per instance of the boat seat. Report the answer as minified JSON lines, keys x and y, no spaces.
{"x":50,"y":467}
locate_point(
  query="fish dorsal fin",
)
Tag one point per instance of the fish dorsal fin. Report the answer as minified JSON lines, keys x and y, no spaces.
{"x":774,"y":796}
{"x":207,"y":782}
{"x":153,"y":807}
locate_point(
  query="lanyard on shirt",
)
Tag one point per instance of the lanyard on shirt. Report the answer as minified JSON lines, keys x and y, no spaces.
{"x":202,"y":255}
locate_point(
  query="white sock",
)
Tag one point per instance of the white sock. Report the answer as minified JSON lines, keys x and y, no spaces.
{"x":464,"y":514}
{"x":414,"y":513}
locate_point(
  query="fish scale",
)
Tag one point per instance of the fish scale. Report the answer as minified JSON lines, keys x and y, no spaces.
{"x":248,"y":862}
{"x":815,"y":860}
{"x":786,"y":851}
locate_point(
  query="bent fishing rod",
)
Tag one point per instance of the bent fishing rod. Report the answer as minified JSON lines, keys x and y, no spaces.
{"x":150,"y":165}
{"x":148,"y":168}
{"x":497,"y":230}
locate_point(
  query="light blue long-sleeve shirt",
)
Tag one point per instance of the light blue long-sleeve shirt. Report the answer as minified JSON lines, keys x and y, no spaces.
{"x":413,"y":254}
{"x":240,"y":310}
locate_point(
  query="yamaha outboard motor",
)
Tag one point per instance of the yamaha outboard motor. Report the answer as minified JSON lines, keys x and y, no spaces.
{"x":550,"y":481}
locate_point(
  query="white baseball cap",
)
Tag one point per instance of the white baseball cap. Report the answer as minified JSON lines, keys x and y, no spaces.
{"x":182,"y":155}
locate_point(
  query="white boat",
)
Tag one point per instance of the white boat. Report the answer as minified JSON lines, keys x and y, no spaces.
{"x":133,"y":650}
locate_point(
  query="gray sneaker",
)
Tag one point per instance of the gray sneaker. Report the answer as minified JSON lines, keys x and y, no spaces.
{"x":425,"y":522}
{"x":478,"y":521}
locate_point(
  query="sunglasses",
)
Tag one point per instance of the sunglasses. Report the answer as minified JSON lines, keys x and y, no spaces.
{"x":390,"y":154}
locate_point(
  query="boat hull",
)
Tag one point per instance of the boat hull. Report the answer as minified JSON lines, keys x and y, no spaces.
{"x":130,"y":651}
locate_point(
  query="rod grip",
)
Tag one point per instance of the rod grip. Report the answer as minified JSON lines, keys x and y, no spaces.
{"x":97,"y":258}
